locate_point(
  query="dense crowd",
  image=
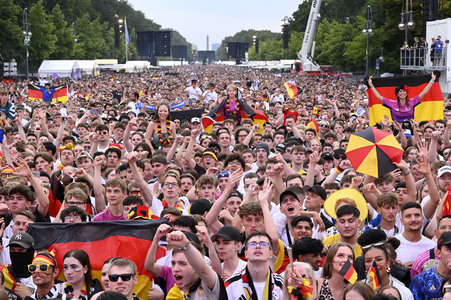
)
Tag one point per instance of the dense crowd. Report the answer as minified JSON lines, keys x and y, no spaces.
{"x":269,"y":210}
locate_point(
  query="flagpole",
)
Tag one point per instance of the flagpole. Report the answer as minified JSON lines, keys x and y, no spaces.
{"x":126,"y":40}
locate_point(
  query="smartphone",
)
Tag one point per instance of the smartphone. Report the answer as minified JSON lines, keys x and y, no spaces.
{"x":36,"y":174}
{"x":94,"y":111}
{"x":360,"y":112}
{"x":2,"y":132}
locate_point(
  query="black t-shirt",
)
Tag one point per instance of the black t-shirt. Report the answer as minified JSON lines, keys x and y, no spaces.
{"x":118,"y":95}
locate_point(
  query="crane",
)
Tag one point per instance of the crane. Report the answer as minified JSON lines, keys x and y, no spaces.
{"x":305,"y":55}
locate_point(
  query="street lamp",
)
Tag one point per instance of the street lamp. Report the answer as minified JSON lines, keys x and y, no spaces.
{"x":406,"y":20}
{"x":121,"y":22}
{"x":255,"y":39}
{"x":368,"y":30}
{"x":74,"y":33}
{"x":26,"y":33}
{"x":285,"y":23}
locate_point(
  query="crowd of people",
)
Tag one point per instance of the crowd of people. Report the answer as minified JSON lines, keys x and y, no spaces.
{"x":269,"y":210}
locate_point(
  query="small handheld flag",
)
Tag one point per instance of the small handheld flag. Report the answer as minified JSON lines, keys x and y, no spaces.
{"x":373,"y":274}
{"x":348,"y":272}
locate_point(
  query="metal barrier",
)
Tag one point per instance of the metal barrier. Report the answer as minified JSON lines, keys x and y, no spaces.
{"x":420,"y":59}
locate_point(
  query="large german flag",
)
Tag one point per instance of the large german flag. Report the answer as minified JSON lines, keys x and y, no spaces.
{"x":246,"y":112}
{"x":102,"y":240}
{"x":430,"y":108}
{"x":36,"y":94}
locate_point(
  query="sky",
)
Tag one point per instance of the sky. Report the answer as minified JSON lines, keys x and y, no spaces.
{"x":193,"y":19}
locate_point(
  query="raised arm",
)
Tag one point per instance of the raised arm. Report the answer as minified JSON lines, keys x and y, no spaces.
{"x":131,"y":125}
{"x":150,"y":263}
{"x":145,"y":191}
{"x":270,"y":226}
{"x":427,"y":87}
{"x":375,"y":92}
{"x":202,"y":234}
{"x":194,"y":257}
{"x":425,"y":169}
{"x":98,"y":187}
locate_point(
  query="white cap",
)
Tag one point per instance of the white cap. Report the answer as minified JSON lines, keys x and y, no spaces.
{"x":195,"y":119}
{"x":443,"y":170}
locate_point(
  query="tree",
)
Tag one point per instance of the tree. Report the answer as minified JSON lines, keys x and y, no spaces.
{"x":65,"y":40}
{"x":42,"y":43}
{"x":90,"y":37}
{"x":10,"y":31}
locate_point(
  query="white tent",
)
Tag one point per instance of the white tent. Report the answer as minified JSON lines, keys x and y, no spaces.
{"x":136,"y":65}
{"x":88,"y":67}
{"x":60,"y":68}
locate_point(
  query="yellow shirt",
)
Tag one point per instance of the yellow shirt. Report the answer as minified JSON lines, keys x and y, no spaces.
{"x":330,"y":240}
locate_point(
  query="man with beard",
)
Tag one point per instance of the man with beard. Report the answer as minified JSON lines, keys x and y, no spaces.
{"x":21,"y":251}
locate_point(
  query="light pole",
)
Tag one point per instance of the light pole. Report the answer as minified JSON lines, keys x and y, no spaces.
{"x":380,"y":59}
{"x":406,"y":20}
{"x":285,"y":23}
{"x":74,"y":33}
{"x":26,"y":33}
{"x":255,"y":40}
{"x":368,"y":30}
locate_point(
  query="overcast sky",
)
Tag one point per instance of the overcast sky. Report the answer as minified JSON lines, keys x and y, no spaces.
{"x":220,"y":18}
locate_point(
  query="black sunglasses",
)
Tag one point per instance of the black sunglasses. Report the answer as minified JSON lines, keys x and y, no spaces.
{"x":340,"y":157}
{"x":124,"y":277}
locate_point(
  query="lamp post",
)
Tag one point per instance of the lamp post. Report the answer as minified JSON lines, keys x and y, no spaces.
{"x":406,"y":20}
{"x":255,"y":40}
{"x":74,"y":33}
{"x":26,"y":33}
{"x":285,"y":23}
{"x":380,"y":59}
{"x":368,"y":30}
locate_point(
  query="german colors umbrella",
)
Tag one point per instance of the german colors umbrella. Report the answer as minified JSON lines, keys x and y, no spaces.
{"x":372,"y":151}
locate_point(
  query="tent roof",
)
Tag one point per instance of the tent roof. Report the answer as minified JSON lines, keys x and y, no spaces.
{"x":87,"y":64}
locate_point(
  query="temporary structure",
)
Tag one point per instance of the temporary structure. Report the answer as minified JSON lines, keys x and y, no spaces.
{"x":59,"y":68}
{"x":88,"y":67}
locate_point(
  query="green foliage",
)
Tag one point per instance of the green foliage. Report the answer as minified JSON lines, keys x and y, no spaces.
{"x":43,"y":40}
{"x":65,"y":41}
{"x":10,"y":31}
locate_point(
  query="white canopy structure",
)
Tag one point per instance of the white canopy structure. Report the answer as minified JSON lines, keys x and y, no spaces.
{"x":136,"y":65}
{"x":88,"y":67}
{"x":59,"y":68}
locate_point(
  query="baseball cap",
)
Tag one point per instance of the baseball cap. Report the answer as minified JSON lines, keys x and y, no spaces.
{"x":21,"y":239}
{"x":281,"y":148}
{"x":443,"y":170}
{"x":229,"y":233}
{"x":84,"y":154}
{"x":445,"y":239}
{"x":288,"y":191}
{"x":263,"y":146}
{"x":317,"y":189}
{"x":195,"y":119}
{"x":339,"y":151}
{"x":200,"y":206}
{"x":327,"y":155}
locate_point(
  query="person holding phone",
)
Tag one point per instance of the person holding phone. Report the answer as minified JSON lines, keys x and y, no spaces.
{"x":402,"y":108}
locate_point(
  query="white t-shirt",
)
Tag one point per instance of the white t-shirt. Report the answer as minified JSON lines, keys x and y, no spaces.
{"x":408,"y":251}
{"x":210,"y":96}
{"x":193,"y":93}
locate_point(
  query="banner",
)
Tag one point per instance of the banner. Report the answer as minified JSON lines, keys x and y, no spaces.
{"x":430,"y":108}
{"x":36,"y":94}
{"x":102,"y":240}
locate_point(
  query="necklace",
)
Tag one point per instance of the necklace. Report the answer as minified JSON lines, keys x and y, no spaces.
{"x":160,"y":135}
{"x":237,"y":109}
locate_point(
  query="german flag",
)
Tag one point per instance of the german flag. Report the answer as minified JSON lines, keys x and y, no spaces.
{"x":36,"y":94}
{"x":7,"y":80}
{"x":313,"y":124}
{"x":246,"y":112}
{"x":292,"y":89}
{"x":430,"y":108}
{"x":348,"y":272}
{"x":155,"y":77}
{"x":102,"y":240}
{"x":373,"y":273}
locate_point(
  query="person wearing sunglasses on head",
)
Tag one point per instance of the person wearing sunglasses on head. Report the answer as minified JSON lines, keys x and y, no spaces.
{"x":44,"y":271}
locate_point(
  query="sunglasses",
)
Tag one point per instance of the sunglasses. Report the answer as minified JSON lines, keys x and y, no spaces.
{"x":124,"y":277}
{"x":324,"y":125}
{"x":103,"y":132}
{"x":341,"y":157}
{"x":43,"y":268}
{"x":5,"y":175}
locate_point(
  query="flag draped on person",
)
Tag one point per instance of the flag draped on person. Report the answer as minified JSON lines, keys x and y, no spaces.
{"x":430,"y":107}
{"x":246,"y":112}
{"x":102,"y":240}
{"x":36,"y":94}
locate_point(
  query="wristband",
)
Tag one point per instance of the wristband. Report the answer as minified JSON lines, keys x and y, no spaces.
{"x":431,"y":82}
{"x":339,"y":170}
{"x":407,"y":172}
{"x":186,"y":246}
